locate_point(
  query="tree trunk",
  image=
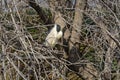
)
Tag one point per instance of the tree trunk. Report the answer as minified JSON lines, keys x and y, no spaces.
{"x":74,"y":54}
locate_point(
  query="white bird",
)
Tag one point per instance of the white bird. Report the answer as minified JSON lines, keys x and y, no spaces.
{"x":54,"y":35}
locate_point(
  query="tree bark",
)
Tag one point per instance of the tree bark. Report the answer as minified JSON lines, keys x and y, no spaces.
{"x":42,"y":14}
{"x":74,"y":52}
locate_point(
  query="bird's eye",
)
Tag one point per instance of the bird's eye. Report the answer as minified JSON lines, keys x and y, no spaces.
{"x":58,"y":28}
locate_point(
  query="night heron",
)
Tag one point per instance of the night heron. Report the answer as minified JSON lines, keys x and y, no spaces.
{"x":54,"y":35}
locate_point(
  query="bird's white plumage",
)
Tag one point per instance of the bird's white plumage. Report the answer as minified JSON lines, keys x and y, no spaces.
{"x":53,"y":36}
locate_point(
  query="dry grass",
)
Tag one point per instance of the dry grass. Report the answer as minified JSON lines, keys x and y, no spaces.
{"x":24,"y":57}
